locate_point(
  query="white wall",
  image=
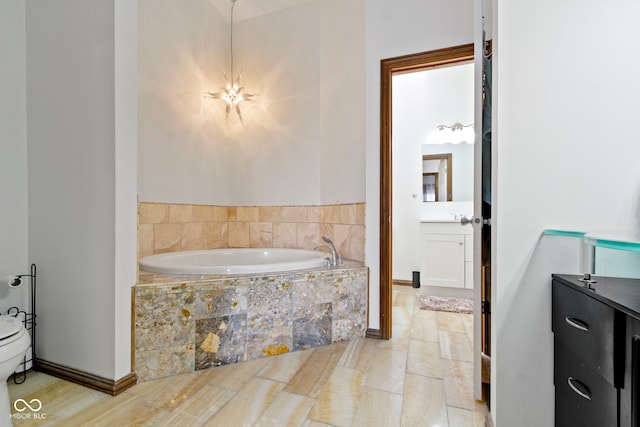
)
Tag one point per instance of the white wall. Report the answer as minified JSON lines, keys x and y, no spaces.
{"x":13,"y":146}
{"x":566,"y":98}
{"x":302,"y":133}
{"x":394,"y":29}
{"x":76,"y":134}
{"x":422,"y":101}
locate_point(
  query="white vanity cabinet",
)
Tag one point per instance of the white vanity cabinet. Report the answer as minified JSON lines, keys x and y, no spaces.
{"x":446,"y":254}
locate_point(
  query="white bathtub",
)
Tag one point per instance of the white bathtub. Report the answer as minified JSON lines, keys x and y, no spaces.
{"x":233,"y":261}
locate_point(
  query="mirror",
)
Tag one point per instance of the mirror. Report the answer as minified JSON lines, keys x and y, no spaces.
{"x":439,"y":183}
{"x":436,"y":178}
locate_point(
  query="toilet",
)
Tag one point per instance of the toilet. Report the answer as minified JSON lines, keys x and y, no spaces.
{"x":14,"y":342}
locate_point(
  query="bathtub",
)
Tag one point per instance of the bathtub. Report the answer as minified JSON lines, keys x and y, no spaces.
{"x":234,"y":261}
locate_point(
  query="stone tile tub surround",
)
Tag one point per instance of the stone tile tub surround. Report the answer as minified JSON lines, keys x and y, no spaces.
{"x":186,"y":325}
{"x":166,"y":227}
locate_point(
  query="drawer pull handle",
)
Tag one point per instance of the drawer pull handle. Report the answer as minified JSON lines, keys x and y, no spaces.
{"x":585,"y":394}
{"x":578,"y":324}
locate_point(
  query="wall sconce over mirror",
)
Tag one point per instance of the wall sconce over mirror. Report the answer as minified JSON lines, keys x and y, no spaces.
{"x":437,"y":177}
{"x":452,"y":134}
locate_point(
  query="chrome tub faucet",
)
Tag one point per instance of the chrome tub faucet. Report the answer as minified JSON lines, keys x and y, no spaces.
{"x":335,"y":259}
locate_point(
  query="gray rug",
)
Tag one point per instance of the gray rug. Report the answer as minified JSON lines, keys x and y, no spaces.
{"x":450,"y":304}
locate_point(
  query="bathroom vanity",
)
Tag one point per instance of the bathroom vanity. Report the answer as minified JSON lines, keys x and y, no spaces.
{"x":596,"y":330}
{"x":446,"y":254}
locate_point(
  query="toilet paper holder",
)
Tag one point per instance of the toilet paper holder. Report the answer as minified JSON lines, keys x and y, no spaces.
{"x":28,"y":318}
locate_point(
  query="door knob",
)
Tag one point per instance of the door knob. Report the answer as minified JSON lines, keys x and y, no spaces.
{"x":474,"y":220}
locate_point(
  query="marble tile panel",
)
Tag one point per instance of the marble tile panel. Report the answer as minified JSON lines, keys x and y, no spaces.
{"x":261,"y":234}
{"x":312,"y":326}
{"x":315,"y":289}
{"x":156,"y":334}
{"x":248,"y":214}
{"x":167,"y":238}
{"x":223,"y":213}
{"x":165,"y":362}
{"x":180,"y":213}
{"x":284,"y":235}
{"x":313,"y":213}
{"x":286,"y":410}
{"x":220,"y":341}
{"x":203,"y":213}
{"x":145,"y":240}
{"x":348,"y":214}
{"x":232,"y":214}
{"x":294,"y":214}
{"x":308,"y":235}
{"x":424,"y":403}
{"x":238,"y":236}
{"x":270,"y":213}
{"x":153,"y":213}
{"x":192,"y":237}
{"x":330,"y":214}
{"x":215,"y":235}
{"x":274,"y":337}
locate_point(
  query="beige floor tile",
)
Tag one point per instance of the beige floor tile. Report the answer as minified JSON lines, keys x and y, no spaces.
{"x":449,"y":322}
{"x":205,"y":403}
{"x":338,"y":401}
{"x":248,"y":404}
{"x":285,"y":366}
{"x":424,"y":359}
{"x":315,"y":372}
{"x":388,"y":370}
{"x":378,"y":408}
{"x":359,"y":354}
{"x":425,"y":326}
{"x":229,"y":376}
{"x":423,"y":402}
{"x":286,"y":410}
{"x":455,"y":346}
{"x":399,"y":340}
{"x":458,"y":383}
{"x":464,"y":418}
{"x":422,"y":376}
{"x":401,"y":315}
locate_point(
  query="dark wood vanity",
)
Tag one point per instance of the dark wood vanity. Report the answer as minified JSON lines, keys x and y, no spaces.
{"x":596,"y":349}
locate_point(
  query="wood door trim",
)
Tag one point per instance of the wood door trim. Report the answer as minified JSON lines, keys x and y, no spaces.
{"x":388,"y":67}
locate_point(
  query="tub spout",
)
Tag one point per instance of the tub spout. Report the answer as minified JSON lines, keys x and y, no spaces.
{"x":336,"y":259}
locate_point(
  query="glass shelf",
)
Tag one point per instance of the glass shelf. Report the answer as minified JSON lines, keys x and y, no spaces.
{"x":618,"y":240}
{"x":623,"y":241}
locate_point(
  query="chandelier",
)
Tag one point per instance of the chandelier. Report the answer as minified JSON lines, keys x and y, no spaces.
{"x":232,"y":93}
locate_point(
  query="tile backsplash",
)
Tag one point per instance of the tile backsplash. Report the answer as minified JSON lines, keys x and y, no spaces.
{"x":164,"y":227}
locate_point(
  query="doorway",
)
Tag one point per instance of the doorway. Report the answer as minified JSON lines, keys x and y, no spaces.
{"x":389,"y":67}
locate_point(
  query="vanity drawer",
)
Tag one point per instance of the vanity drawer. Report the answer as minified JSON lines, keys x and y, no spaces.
{"x":583,"y":397}
{"x":586,"y":327}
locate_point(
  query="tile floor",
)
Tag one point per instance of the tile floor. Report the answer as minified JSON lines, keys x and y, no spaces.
{"x":421,"y":377}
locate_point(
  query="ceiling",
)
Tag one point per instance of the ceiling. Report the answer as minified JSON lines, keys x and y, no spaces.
{"x":246,"y":9}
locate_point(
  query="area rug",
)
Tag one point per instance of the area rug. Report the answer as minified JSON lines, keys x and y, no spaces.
{"x":450,"y":304}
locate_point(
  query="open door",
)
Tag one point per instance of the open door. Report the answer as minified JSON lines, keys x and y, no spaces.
{"x":482,"y":214}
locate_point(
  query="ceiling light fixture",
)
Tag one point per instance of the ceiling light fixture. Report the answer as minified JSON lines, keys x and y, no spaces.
{"x":233,"y":94}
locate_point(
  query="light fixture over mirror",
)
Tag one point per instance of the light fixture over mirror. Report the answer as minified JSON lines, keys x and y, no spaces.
{"x":232,"y":93}
{"x":452,"y":134}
